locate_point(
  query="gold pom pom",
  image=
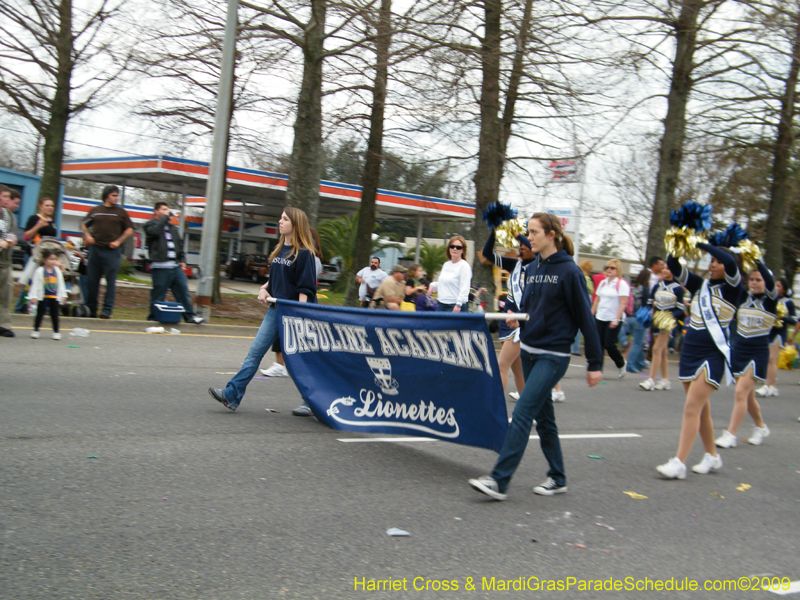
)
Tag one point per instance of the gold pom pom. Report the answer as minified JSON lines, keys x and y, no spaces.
{"x":781,"y":312}
{"x":664,"y":321}
{"x":681,"y":242}
{"x":750,"y":253}
{"x":506,"y":234}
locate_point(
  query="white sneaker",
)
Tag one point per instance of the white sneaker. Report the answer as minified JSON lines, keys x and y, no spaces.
{"x":763,"y":391}
{"x":487,"y":485}
{"x":35,"y":335}
{"x":773,"y":391}
{"x":663,"y":384}
{"x":759,"y":433}
{"x":709,"y":463}
{"x":726,"y":440}
{"x":673,"y":469}
{"x":622,"y":370}
{"x":648,"y":384}
{"x":276,"y":370}
{"x":557,"y":396}
{"x":56,"y":336}
{"x":513,"y":395}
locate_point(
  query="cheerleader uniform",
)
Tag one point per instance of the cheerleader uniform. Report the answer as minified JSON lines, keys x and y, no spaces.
{"x":700,"y":352}
{"x":514,"y":266}
{"x":755,"y":319}
{"x":781,"y":335}
{"x":667,"y":296}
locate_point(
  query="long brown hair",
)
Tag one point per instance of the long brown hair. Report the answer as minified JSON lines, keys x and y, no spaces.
{"x":456,"y":238}
{"x":551,"y":222}
{"x":300,"y":237}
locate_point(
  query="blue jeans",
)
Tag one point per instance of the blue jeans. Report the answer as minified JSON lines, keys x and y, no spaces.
{"x":173,"y":280}
{"x":267,"y":334}
{"x":103,"y":262}
{"x":636,"y":355}
{"x":542,"y":372}
{"x":446,"y":307}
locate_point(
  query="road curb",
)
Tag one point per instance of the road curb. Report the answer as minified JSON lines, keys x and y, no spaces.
{"x":68,"y":323}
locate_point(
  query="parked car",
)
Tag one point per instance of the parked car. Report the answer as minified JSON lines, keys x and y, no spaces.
{"x":329,"y":274}
{"x":254,"y":267}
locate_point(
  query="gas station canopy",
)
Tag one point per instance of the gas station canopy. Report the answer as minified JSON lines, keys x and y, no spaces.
{"x":263,"y":192}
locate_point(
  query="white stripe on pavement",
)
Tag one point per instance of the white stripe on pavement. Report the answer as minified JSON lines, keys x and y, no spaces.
{"x":567,"y":436}
{"x":794,"y":588}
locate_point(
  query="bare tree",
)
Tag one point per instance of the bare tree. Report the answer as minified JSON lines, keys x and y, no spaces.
{"x":57,"y":61}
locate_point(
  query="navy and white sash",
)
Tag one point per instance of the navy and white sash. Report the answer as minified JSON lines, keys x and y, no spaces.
{"x":714,"y":328}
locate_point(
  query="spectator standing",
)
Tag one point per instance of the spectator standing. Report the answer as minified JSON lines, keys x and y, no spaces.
{"x":369,"y":278}
{"x":641,"y":295}
{"x":167,"y":262}
{"x":9,"y":201}
{"x":48,"y":292}
{"x":611,"y":298}
{"x":38,"y":226}
{"x":656,"y":264}
{"x":452,"y":287}
{"x":105,"y":229}
{"x":586,"y":268}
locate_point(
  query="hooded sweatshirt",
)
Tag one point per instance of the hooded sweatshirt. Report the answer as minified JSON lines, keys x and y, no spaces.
{"x":556,"y":298}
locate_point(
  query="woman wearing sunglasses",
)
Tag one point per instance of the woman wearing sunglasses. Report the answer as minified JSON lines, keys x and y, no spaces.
{"x":611,"y":298}
{"x":452,"y":287}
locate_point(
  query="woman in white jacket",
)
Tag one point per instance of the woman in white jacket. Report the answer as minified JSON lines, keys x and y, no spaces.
{"x":47,"y":292}
{"x":452,"y":287}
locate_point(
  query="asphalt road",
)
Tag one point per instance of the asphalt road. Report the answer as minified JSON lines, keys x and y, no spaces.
{"x":122,"y":478}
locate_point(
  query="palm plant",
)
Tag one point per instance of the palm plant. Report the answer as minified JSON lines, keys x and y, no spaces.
{"x":431,"y":258}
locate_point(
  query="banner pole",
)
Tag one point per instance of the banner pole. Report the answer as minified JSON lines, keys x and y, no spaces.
{"x":487,"y":316}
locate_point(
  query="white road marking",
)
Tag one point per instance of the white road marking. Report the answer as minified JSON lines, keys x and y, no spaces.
{"x":794,"y":588}
{"x":567,"y":436}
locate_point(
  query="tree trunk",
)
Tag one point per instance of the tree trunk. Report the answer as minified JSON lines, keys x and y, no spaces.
{"x":56,"y":131}
{"x":374,"y":160}
{"x":779,"y":190}
{"x":491,"y":155}
{"x":671,"y":151}
{"x":305,"y":165}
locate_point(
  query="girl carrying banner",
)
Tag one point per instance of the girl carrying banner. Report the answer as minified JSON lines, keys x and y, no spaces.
{"x":292,"y":276}
{"x":556,"y":299}
{"x":755,"y":318}
{"x":705,"y":357}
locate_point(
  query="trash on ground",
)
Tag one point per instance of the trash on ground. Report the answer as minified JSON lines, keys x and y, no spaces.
{"x":635,"y":496}
{"x":606,"y":526}
{"x":174,"y":331}
{"x":743,"y":487}
{"x":154,"y":330}
{"x":71,"y":346}
{"x":226,"y":373}
{"x":272,"y":410}
{"x":92,"y":456}
{"x":395,"y":532}
{"x":267,"y":378}
{"x":718,"y":495}
{"x":597,"y":456}
{"x":79,"y":332}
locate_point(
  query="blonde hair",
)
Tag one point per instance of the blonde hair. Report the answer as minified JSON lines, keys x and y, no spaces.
{"x":616,"y":263}
{"x":586,"y":266}
{"x":551,"y":222}
{"x":300,"y":237}
{"x":463,"y":243}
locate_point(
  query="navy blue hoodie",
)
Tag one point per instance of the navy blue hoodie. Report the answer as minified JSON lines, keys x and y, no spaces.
{"x":556,"y":298}
{"x":290,"y":276}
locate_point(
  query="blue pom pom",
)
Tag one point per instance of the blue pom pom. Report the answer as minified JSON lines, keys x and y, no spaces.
{"x":643,"y":316}
{"x":692,"y":215}
{"x":729,"y":238}
{"x":497,"y":213}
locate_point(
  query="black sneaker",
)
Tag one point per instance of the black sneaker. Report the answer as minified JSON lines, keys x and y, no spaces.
{"x":219,"y":396}
{"x":549,"y":488}
{"x":105,"y":316}
{"x":4,"y":332}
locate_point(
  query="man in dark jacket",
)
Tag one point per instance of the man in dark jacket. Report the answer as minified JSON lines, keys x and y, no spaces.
{"x":167,"y":262}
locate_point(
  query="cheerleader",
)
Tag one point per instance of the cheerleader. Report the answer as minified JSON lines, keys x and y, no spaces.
{"x":666,"y":297}
{"x":779,"y":336}
{"x":705,"y":354}
{"x":509,"y":353}
{"x":755,"y":318}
